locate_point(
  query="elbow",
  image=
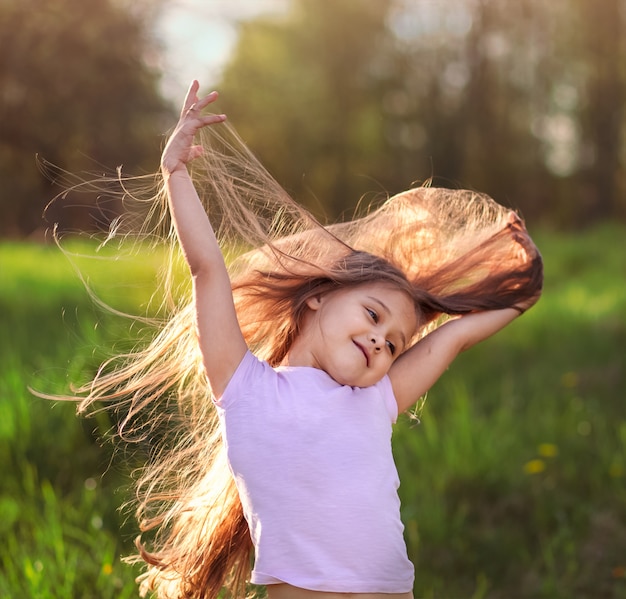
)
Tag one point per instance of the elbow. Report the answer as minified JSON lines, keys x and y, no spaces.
{"x":208,"y":270}
{"x":202,"y":261}
{"x":201,"y":269}
{"x":197,"y":268}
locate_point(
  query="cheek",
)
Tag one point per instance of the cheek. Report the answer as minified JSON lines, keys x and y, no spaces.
{"x":384,"y":364}
{"x":411,"y":330}
{"x":344,"y":321}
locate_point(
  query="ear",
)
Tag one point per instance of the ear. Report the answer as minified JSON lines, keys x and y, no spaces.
{"x":314,"y":303}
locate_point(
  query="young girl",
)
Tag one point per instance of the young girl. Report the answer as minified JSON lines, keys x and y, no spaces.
{"x":288,"y":372}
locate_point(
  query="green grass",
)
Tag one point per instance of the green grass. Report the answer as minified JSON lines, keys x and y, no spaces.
{"x":513,"y":481}
{"x":61,"y":529}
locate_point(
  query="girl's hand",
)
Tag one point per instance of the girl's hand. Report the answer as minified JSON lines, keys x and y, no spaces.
{"x":180,"y":148}
{"x":527,"y":252}
{"x":527,"y":248}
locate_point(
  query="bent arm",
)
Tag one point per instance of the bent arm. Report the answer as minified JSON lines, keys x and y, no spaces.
{"x":417,"y":369}
{"x":221,"y":342}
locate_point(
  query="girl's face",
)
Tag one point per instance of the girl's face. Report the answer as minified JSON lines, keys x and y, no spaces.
{"x":355,"y":334}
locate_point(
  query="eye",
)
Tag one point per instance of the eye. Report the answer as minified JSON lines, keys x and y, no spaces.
{"x":392,"y":348}
{"x":372,"y":314}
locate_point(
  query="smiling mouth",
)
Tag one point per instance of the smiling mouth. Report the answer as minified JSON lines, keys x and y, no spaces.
{"x":367,"y":358}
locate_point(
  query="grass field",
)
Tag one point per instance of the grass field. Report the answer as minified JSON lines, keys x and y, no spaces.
{"x":513,"y":480}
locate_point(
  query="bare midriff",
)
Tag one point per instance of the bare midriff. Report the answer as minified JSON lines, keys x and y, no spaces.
{"x":286,"y":591}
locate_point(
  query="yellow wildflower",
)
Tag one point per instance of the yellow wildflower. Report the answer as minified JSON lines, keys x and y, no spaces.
{"x":548,"y":450}
{"x":534,"y":466}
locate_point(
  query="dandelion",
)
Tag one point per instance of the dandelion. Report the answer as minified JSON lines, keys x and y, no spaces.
{"x":534,"y":466}
{"x":548,"y":450}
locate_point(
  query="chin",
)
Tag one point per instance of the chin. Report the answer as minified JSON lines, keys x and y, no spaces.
{"x":341,"y":374}
{"x":357,"y":381}
{"x":343,"y":379}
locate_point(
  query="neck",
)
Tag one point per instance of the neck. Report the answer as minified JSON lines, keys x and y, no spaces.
{"x":299,"y":355}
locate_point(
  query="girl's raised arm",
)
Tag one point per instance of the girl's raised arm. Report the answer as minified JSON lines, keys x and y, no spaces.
{"x":417,"y":369}
{"x":221,"y":341}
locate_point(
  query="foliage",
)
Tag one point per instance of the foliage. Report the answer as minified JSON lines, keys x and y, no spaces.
{"x":314,"y":115}
{"x":521,"y":100}
{"x":78,"y":92}
{"x":513,"y":483}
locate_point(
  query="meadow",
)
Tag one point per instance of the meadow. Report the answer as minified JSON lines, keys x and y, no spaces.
{"x":513,"y":472}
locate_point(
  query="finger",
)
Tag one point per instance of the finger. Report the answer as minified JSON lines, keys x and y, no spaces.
{"x":191,"y":97}
{"x":195,"y":152}
{"x":213,"y":119}
{"x":195,"y":109}
{"x":206,"y":100}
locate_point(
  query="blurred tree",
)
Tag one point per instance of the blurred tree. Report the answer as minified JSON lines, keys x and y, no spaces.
{"x":579,"y":93}
{"x":366,"y":96}
{"x":522,"y":100}
{"x":75,"y":88}
{"x":601,"y":58}
{"x":303,"y":91}
{"x":469,"y":95}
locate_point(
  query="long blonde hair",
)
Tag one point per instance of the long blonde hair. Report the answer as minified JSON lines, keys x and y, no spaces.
{"x":452,"y":251}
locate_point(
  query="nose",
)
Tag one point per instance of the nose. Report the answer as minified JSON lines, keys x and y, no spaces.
{"x":376,"y":343}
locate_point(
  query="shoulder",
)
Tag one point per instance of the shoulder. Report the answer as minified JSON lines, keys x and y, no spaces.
{"x":250,"y":373}
{"x":382,"y":392}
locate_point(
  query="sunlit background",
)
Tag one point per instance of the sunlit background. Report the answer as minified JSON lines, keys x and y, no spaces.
{"x":514,"y":482}
{"x":197,"y":38}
